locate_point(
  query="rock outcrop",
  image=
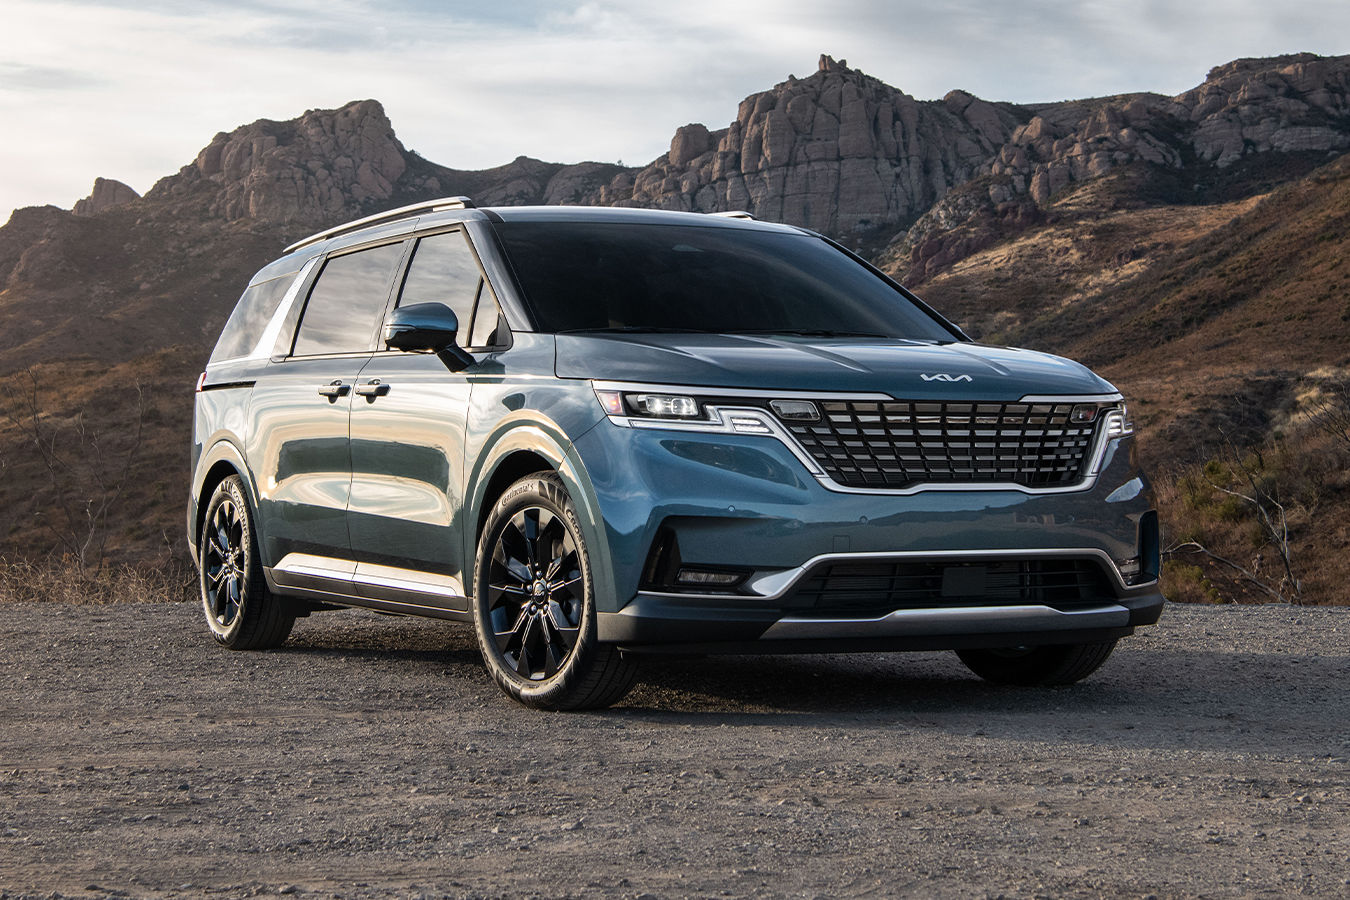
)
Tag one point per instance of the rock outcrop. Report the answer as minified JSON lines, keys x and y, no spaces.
{"x":322,"y":166}
{"x":1246,"y":107}
{"x":839,"y":152}
{"x":106,"y":194}
{"x":1284,"y":104}
{"x":331,"y":165}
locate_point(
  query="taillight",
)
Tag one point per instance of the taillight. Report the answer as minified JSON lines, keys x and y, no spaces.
{"x":201,"y":382}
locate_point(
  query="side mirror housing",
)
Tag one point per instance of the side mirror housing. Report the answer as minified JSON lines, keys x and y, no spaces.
{"x":426,"y":327}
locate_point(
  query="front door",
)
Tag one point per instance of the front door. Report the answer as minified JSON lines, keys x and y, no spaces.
{"x":407,"y":446}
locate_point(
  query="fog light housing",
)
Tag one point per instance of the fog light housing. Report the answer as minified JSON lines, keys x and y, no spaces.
{"x":1131,"y":570}
{"x":717,"y":579}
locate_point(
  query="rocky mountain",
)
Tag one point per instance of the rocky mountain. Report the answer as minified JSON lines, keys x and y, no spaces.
{"x":1171,"y":241}
{"x":1252,"y":122}
{"x":839,"y":152}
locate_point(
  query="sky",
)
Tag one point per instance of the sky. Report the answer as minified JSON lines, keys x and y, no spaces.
{"x":132,"y":90}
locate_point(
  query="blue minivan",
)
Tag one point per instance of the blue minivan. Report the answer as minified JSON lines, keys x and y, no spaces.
{"x":598,"y":433}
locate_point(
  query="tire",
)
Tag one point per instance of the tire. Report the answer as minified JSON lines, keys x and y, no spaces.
{"x":534,"y":606}
{"x":240,"y":611}
{"x":1056,"y":664}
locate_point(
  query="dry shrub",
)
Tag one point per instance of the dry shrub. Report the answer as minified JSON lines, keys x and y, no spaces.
{"x":61,"y":581}
{"x":1266,"y":520}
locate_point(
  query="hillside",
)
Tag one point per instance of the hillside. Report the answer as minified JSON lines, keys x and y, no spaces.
{"x":1228,"y":327}
{"x":1190,"y":247}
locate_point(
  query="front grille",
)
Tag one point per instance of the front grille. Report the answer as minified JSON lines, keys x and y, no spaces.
{"x":898,"y":444}
{"x":882,"y":586}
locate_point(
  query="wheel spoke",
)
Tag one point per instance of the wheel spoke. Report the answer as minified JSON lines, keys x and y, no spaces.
{"x":512,"y":554}
{"x":523,"y":667}
{"x":506,"y":638}
{"x":552,"y":658}
{"x":217,"y":548}
{"x":565,"y":585}
{"x":564,"y":560}
{"x":529,"y":528}
{"x":567,"y":631}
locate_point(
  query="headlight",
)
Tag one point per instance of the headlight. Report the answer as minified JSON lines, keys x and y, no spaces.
{"x":654,"y":406}
{"x":1118,"y":423}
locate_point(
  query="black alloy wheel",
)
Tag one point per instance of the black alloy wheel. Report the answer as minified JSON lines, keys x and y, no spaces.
{"x":240,"y":611}
{"x":535,"y":605}
{"x":223,"y":561}
{"x":535,"y":590}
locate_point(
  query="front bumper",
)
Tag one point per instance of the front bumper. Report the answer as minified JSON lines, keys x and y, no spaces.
{"x":741,"y":501}
{"x":657,"y":623}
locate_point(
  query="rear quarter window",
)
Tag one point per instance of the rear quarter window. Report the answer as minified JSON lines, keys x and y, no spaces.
{"x":251,"y":315}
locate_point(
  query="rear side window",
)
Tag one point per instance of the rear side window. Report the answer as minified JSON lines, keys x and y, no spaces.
{"x":347,"y":302}
{"x":443,"y":270}
{"x":251,"y":315}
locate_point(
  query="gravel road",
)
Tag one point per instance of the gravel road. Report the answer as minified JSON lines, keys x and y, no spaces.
{"x":372,"y":757}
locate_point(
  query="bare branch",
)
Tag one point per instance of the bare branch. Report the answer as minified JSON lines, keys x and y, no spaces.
{"x":1247,"y":575}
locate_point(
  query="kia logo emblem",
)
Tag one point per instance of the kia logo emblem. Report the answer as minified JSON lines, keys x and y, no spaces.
{"x":943,"y":376}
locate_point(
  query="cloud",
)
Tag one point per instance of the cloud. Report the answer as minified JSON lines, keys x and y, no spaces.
{"x":133,"y":90}
{"x":21,"y":77}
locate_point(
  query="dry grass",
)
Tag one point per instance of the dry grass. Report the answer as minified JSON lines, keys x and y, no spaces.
{"x":1232,"y":520}
{"x":59,"y":581}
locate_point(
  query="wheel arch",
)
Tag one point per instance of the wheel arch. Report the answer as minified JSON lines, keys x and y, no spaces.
{"x":220,"y":462}
{"x":526,"y":449}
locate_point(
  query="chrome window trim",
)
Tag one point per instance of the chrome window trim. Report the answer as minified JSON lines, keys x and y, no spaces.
{"x":719,"y":421}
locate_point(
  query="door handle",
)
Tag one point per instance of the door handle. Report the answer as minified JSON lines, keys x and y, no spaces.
{"x":334,"y":390}
{"x":372,"y":389}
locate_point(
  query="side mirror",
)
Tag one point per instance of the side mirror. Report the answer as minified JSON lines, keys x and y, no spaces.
{"x":426,"y":327}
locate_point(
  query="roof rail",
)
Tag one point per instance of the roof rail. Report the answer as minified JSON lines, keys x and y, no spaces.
{"x":392,"y":215}
{"x":733,"y":214}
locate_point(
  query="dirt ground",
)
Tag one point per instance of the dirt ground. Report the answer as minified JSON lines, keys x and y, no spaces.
{"x":372,"y":757}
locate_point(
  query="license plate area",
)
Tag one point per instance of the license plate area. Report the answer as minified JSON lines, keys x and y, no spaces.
{"x":965,"y":581}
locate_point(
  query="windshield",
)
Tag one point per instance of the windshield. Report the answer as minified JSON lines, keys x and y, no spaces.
{"x":580,"y":276}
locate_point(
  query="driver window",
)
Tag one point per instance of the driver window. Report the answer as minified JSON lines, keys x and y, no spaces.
{"x":443,"y":270}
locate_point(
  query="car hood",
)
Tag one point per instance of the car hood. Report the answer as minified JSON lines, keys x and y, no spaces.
{"x":903,"y":369}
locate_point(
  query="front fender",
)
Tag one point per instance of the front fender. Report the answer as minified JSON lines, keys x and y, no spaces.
{"x":546,"y":439}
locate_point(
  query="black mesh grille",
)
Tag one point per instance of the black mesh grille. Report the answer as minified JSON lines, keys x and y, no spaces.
{"x":896,"y":444}
{"x":883,"y":586}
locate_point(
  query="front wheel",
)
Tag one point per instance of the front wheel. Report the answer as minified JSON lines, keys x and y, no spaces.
{"x":1056,"y":664}
{"x":534,"y":608}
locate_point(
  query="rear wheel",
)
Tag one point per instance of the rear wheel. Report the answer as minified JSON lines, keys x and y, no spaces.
{"x":534,"y":610}
{"x":1056,"y":664}
{"x":240,"y":611}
